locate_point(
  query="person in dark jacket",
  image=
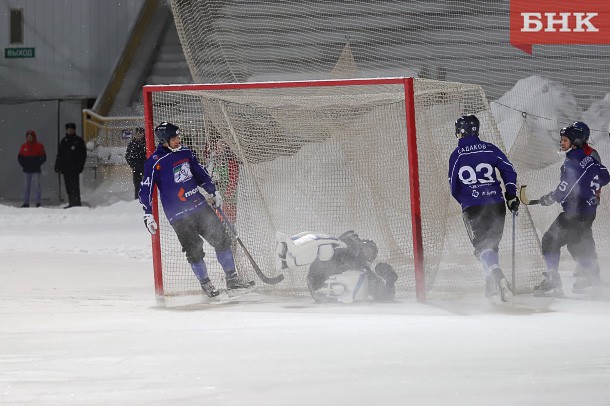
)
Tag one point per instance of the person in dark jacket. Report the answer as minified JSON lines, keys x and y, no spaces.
{"x":31,"y":157}
{"x":70,"y":162}
{"x":135,"y":157}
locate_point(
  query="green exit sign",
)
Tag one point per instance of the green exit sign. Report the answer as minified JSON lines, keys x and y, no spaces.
{"x":19,"y":52}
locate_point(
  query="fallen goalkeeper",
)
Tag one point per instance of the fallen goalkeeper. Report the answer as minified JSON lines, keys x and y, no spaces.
{"x":340,"y":268}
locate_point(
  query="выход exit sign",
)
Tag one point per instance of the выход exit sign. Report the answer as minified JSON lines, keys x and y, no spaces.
{"x":19,"y":53}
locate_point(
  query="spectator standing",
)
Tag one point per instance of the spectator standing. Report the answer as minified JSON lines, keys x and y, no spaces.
{"x":31,"y":157}
{"x":135,"y":157}
{"x":70,"y":162}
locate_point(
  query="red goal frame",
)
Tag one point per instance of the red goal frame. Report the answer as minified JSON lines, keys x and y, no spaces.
{"x":410,"y":136}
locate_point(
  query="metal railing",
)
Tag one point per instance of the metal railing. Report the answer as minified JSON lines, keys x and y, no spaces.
{"x":109,"y":131}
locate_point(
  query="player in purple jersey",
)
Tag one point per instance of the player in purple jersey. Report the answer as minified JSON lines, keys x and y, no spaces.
{"x":178,"y":175}
{"x":581,"y":178}
{"x":473,"y":181}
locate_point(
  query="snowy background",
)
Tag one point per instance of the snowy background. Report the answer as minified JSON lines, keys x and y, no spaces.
{"x":79,"y":325}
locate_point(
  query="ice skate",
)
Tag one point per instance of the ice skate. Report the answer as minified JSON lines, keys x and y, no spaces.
{"x":238,"y":286}
{"x":506,"y":291}
{"x":209,"y":288}
{"x":497,"y":285}
{"x":491,"y":287}
{"x":550,"y":285}
{"x":582,"y":284}
{"x":588,"y":282}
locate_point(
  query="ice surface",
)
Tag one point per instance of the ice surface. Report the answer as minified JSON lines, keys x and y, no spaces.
{"x":79,"y":325}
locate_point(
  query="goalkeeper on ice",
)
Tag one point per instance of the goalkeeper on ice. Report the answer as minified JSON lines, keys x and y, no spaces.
{"x":340,"y":268}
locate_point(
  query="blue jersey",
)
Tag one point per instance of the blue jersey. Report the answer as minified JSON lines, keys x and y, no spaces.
{"x":581,"y":178}
{"x":472,"y":173}
{"x":177,"y":176}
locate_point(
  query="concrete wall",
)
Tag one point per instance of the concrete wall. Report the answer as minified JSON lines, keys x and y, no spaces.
{"x":76,"y":43}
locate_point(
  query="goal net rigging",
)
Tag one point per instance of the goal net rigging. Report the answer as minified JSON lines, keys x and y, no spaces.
{"x":333,"y":156}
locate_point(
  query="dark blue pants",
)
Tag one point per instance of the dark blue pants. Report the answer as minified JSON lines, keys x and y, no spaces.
{"x":485,"y":226}
{"x":204,"y":224}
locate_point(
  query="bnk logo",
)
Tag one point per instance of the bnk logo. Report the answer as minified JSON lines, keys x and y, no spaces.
{"x":559,"y":22}
{"x":562,"y":22}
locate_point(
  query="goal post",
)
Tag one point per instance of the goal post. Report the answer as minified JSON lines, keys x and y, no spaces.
{"x":328,"y":156}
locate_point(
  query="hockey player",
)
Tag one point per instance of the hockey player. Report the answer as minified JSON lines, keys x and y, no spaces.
{"x":581,"y":178}
{"x":582,"y":282}
{"x":178,"y":176}
{"x":472,"y":176}
{"x":339,"y":267}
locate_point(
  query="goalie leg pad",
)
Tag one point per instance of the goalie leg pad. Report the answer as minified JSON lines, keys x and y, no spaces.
{"x":346,"y":287}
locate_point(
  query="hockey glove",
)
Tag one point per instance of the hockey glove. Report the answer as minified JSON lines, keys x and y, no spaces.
{"x":512,"y":202}
{"x":151,"y":224}
{"x":217,"y":199}
{"x":547,"y":200}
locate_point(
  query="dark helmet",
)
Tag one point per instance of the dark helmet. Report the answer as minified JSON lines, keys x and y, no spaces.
{"x":165,"y":131}
{"x":467,"y":125}
{"x":584,"y":128}
{"x":574,"y":134}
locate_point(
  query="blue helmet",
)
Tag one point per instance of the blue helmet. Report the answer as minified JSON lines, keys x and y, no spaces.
{"x":584,"y":128}
{"x":165,"y":131}
{"x":574,"y":134}
{"x":467,"y":125}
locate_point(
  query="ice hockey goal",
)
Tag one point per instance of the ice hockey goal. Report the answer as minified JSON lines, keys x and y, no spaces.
{"x":368,"y":155}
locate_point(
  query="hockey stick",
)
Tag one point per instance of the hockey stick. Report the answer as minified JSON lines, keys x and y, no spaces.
{"x":524,"y":199}
{"x":513,"y":254}
{"x":259,"y":273}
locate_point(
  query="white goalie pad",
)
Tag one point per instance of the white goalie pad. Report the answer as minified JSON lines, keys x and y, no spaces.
{"x":346,"y":287}
{"x":304,"y":248}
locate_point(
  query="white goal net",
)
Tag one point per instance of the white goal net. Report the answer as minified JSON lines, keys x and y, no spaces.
{"x":332,"y":156}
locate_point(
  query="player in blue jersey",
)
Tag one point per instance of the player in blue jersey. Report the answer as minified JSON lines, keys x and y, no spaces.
{"x":581,"y":281}
{"x":472,"y":176}
{"x":581,"y":178}
{"x":178,"y":176}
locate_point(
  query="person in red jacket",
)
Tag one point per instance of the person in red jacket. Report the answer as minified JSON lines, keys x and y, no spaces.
{"x":31,"y":157}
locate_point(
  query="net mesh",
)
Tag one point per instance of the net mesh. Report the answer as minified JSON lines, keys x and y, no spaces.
{"x":329,"y":159}
{"x":454,"y":40}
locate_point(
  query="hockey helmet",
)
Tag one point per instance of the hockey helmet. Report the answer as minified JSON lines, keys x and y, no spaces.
{"x":584,"y":128}
{"x":574,"y":134}
{"x":166,"y":131}
{"x":467,"y":125}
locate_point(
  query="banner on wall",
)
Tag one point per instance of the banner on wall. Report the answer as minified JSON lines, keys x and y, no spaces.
{"x":554,"y":22}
